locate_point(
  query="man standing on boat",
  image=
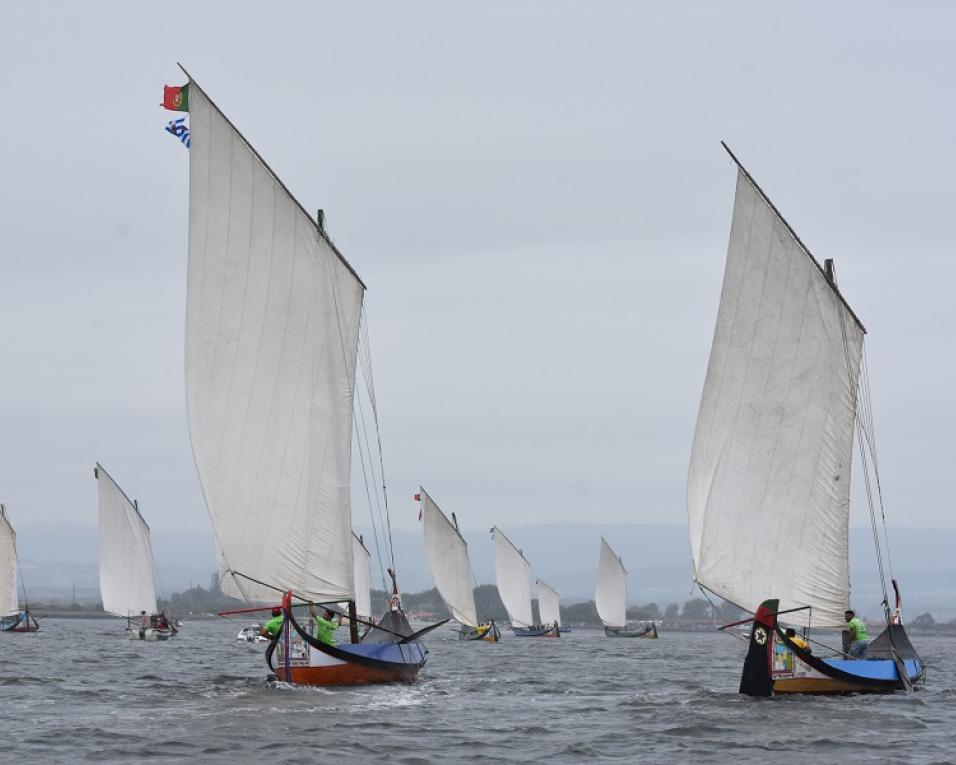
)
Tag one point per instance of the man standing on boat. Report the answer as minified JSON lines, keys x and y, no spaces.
{"x":325,"y":626}
{"x":859,"y":641}
{"x":272,"y":627}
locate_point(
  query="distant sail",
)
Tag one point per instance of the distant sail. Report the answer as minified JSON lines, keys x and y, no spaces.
{"x":272,"y":323}
{"x":610,"y":593}
{"x":8,"y":566}
{"x":769,"y":479}
{"x":513,"y":574}
{"x":362,"y":562}
{"x":549,"y":604}
{"x":127,"y":583}
{"x":448,"y":562}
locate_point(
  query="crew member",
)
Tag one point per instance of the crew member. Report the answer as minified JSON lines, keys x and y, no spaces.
{"x":798,"y":641}
{"x":272,"y":627}
{"x":325,"y":626}
{"x":859,"y":640}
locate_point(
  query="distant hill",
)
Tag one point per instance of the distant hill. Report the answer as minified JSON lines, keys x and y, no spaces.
{"x":54,"y":558}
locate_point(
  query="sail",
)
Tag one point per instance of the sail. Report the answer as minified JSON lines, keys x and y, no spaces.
{"x":610,"y":593}
{"x":448,"y":562}
{"x":362,"y":562}
{"x":8,"y":566}
{"x":126,"y":555}
{"x":272,"y":321}
{"x":549,"y":604}
{"x":768,"y":487}
{"x":513,"y":574}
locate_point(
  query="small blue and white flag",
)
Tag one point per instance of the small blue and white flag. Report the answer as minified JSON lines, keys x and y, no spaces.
{"x":179,"y":129}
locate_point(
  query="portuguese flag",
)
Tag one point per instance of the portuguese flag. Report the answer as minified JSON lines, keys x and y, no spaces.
{"x":176,"y":98}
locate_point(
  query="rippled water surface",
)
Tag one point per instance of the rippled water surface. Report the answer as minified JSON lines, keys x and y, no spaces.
{"x":80,"y":691}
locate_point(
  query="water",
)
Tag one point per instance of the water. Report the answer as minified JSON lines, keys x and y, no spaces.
{"x":79,"y":691}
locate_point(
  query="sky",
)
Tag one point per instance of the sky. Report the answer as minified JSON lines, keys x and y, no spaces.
{"x":535,"y":195}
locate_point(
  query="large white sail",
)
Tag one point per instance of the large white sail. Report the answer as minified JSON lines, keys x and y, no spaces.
{"x":769,"y":479}
{"x":8,"y":566}
{"x":272,"y":321}
{"x":610,"y":592}
{"x":127,"y":585}
{"x":362,"y":564}
{"x":549,"y":604}
{"x":448,"y":562}
{"x":513,"y":574}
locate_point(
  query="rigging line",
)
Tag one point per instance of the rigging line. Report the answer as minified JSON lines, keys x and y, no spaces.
{"x":378,"y":436}
{"x":378,"y":504}
{"x":369,"y":485}
{"x":871,"y":439}
{"x":856,"y":386}
{"x":368,"y":494}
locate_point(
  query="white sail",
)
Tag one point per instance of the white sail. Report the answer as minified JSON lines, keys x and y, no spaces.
{"x":448,"y":562}
{"x":549,"y":604}
{"x":362,"y":562}
{"x":610,"y":593}
{"x":127,"y":586}
{"x":769,"y":479}
{"x":513,"y":574}
{"x":8,"y":566}
{"x":272,"y":321}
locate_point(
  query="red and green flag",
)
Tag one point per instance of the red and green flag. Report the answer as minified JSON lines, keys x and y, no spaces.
{"x":176,"y":98}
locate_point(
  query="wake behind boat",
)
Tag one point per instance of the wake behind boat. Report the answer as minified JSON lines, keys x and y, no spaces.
{"x":273,"y":318}
{"x":12,"y":617}
{"x":768,"y":490}
{"x":127,"y":570}
{"x":610,"y":598}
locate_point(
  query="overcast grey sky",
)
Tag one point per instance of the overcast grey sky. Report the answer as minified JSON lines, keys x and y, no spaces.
{"x":536,"y":196}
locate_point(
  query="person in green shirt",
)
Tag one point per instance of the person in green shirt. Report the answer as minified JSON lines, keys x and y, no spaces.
{"x":272,"y":627}
{"x":325,"y":626}
{"x":859,"y":640}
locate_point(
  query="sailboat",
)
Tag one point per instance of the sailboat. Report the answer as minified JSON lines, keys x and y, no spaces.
{"x":549,"y":606}
{"x":610,"y":597}
{"x":127,"y":571}
{"x":768,"y":489}
{"x":513,"y":575}
{"x":12,"y":617}
{"x":273,"y":315}
{"x":450,"y":567}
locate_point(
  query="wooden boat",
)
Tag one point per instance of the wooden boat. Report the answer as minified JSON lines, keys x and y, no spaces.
{"x":777,"y":665}
{"x":539,"y":630}
{"x":127,"y":570}
{"x":768,"y":489}
{"x":549,"y":609}
{"x":610,"y":597}
{"x":273,"y":320}
{"x":635,"y":631}
{"x":450,"y":567}
{"x":513,"y":575}
{"x":13,"y":619}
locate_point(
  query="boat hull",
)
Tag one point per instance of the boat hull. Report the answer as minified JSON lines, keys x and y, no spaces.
{"x":490,"y":635}
{"x":299,"y":658}
{"x":150,"y":633}
{"x":21,"y":622}
{"x":776,"y":666}
{"x":544,"y":632}
{"x":647,"y":632}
